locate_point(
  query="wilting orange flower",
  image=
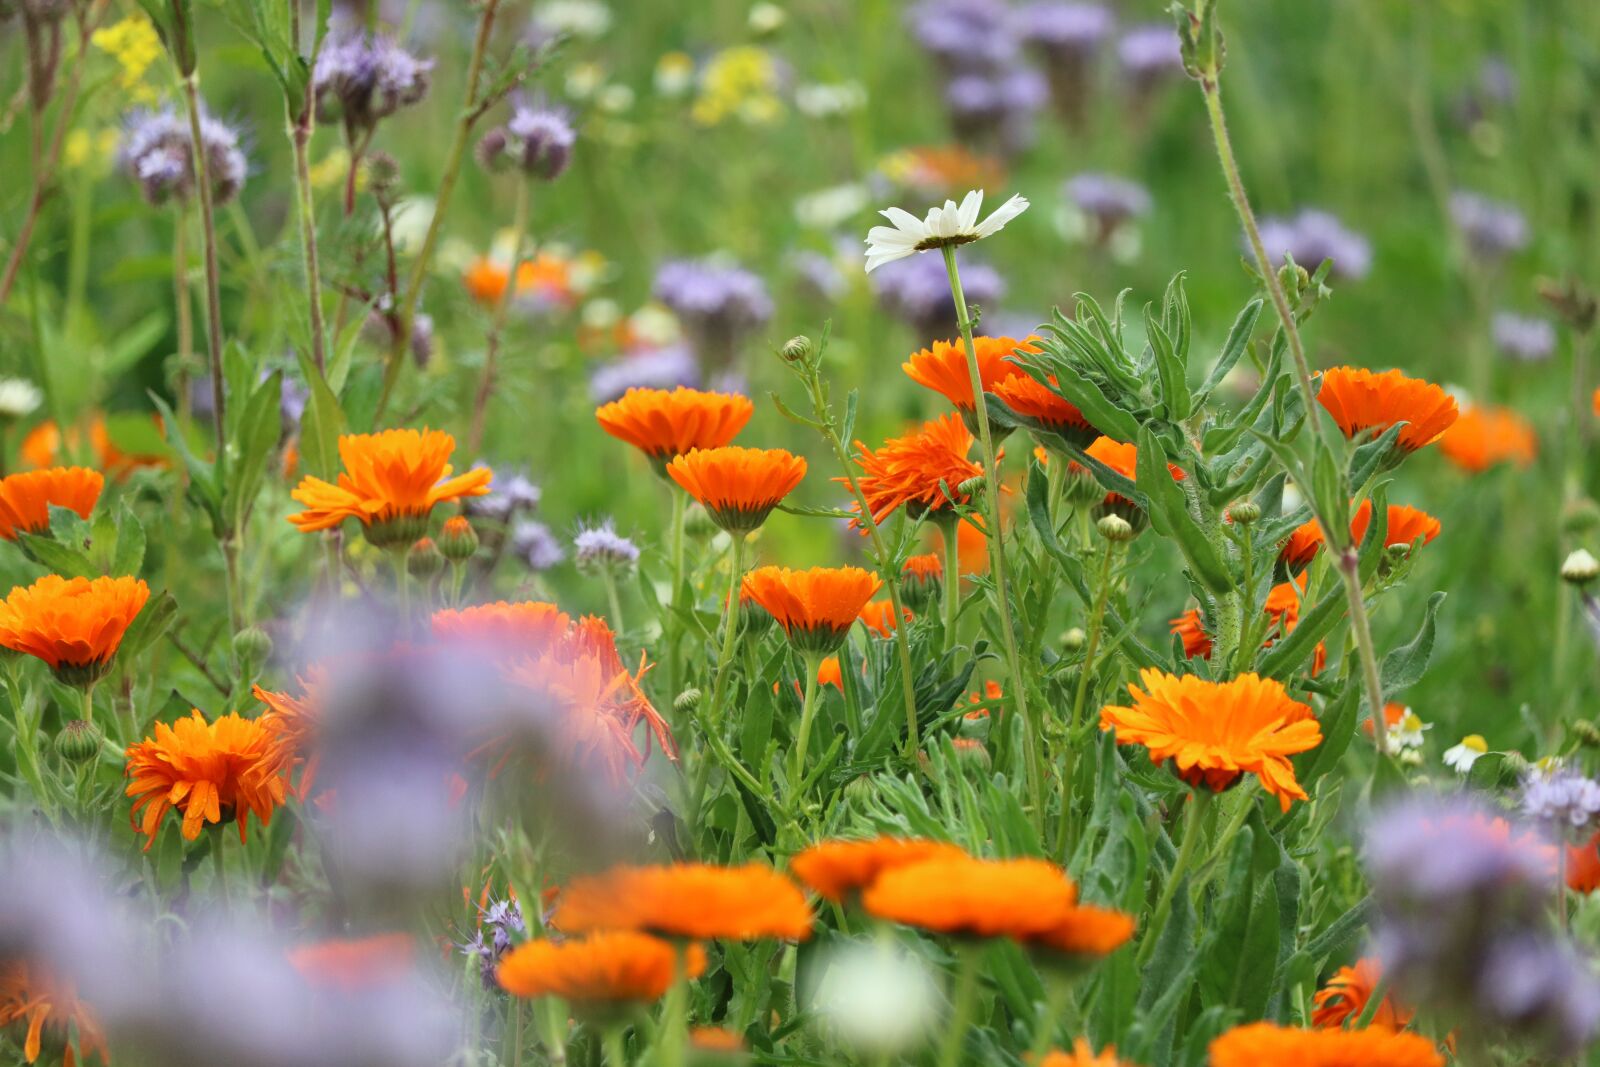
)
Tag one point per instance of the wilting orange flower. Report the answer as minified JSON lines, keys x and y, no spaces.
{"x":391,"y":482}
{"x":1083,"y":1055}
{"x":1042,"y":407}
{"x":544,"y":276}
{"x":203,"y":769}
{"x":1019,"y":898}
{"x":527,"y":626}
{"x":1087,"y":931}
{"x":943,"y":368}
{"x":606,"y":967}
{"x":662,"y":423}
{"x":28,"y":995}
{"x":738,"y":486}
{"x":1215,"y":732}
{"x":815,"y":607}
{"x":835,"y":869}
{"x":687,"y":900}
{"x":352,"y":964}
{"x":1405,"y":525}
{"x":1486,"y":435}
{"x":25,"y":498}
{"x":1360,"y":400}
{"x":1270,"y":1045}
{"x":73,"y":624}
{"x":1346,"y":996}
{"x":909,"y":470}
{"x":1583,"y":866}
{"x":878,"y":616}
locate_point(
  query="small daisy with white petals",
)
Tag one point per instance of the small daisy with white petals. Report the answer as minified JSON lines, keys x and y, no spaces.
{"x":944,"y":227}
{"x":1461,"y":758}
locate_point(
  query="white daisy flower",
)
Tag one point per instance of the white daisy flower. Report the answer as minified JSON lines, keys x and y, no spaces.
{"x":1461,"y":758}
{"x":1407,"y":733}
{"x":943,"y":227}
{"x":18,"y":397}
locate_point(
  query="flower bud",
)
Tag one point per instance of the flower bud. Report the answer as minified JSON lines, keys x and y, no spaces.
{"x":687,"y":700}
{"x":1580,"y":567}
{"x":972,"y":754}
{"x":1294,"y":279}
{"x":1115,"y":528}
{"x":796,"y":350}
{"x":697,"y":523}
{"x":252,"y":645}
{"x":1245,"y":512}
{"x":1580,"y":516}
{"x":1079,"y":487}
{"x":79,"y":741}
{"x":1074,"y":639}
{"x":458,"y":541}
{"x":922,"y":582}
{"x":1587,"y":733}
{"x":971,"y":487}
{"x":424,"y":560}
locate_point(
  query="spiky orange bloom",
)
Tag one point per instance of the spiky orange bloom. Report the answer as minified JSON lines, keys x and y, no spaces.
{"x":1269,"y":1045}
{"x":739,"y":487}
{"x":835,"y":869}
{"x":663,"y":424}
{"x":28,"y":995}
{"x":1406,"y":525}
{"x":693,"y":900}
{"x":815,"y":607}
{"x":25,"y":498}
{"x":1215,"y":732}
{"x":943,"y":368}
{"x":1088,"y":931}
{"x":352,"y":964}
{"x":1083,"y":1055}
{"x":1346,"y":996}
{"x":73,"y":624}
{"x":527,"y":626}
{"x":391,"y":483}
{"x":1019,"y":898}
{"x":878,"y":616}
{"x":203,"y":768}
{"x":1583,"y":866}
{"x":1486,"y":435}
{"x":909,"y":470}
{"x":1360,"y":400}
{"x":1042,"y":407}
{"x":607,"y":967}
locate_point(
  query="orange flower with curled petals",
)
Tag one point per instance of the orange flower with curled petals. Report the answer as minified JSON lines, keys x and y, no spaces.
{"x":1270,"y":1045}
{"x":665,"y":423}
{"x":836,"y":869}
{"x":604,"y":968}
{"x":962,"y":895}
{"x":1216,"y":732}
{"x":1087,"y":931}
{"x":1406,"y":525}
{"x":815,"y":607}
{"x":73,"y":624}
{"x":527,"y":626}
{"x":943,"y":367}
{"x":1083,"y":1055}
{"x":294,"y":721}
{"x":1485,"y":435}
{"x":353,"y":964}
{"x":922,"y":470}
{"x":29,"y":995}
{"x":205,"y":769}
{"x":1346,"y":996}
{"x":878,"y":616}
{"x":739,"y":487}
{"x":26,"y":498}
{"x":1039,"y":406}
{"x":391,"y":482}
{"x":694,"y":900}
{"x":1360,"y":400}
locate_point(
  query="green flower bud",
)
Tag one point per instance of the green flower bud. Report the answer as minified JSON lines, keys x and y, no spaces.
{"x":79,"y":741}
{"x":796,"y":350}
{"x":252,"y":645}
{"x":458,"y":541}
{"x":1116,"y":529}
{"x":424,"y":560}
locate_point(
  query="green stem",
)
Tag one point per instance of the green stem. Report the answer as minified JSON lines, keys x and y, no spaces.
{"x":27,"y":745}
{"x":615,"y":1046}
{"x":208,"y":231}
{"x":180,"y":294}
{"x":730,"y":629}
{"x":1361,"y":630}
{"x":952,"y":580}
{"x":1090,"y":648}
{"x":497,"y":325}
{"x":300,"y":129}
{"x":1191,"y":837}
{"x":679,"y":505}
{"x":613,"y":601}
{"x":808,"y":710}
{"x":675,"y":1014}
{"x":961,"y":1007}
{"x":1044,"y":1030}
{"x":997,"y":562}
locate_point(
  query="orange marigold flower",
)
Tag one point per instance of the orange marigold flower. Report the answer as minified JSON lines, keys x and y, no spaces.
{"x":1360,"y":400}
{"x":1190,"y":628}
{"x":1083,"y":1055}
{"x":527,"y":626}
{"x":715,"y":1039}
{"x":1123,"y":458}
{"x":739,"y":487}
{"x":294,"y":722}
{"x":687,"y":900}
{"x":1270,"y":1045}
{"x":73,"y":624}
{"x":26,"y":498}
{"x":1486,"y":435}
{"x":1019,"y":898}
{"x":203,"y":769}
{"x":1215,"y":732}
{"x":1087,"y":931}
{"x":1042,"y":408}
{"x":1406,"y":525}
{"x":815,"y":607}
{"x":943,"y":367}
{"x":1583,"y":866}
{"x":923,"y":470}
{"x":1346,"y":996}
{"x":391,"y":482}
{"x":1302,"y":546}
{"x":835,"y":869}
{"x":27,"y":995}
{"x":878,"y":616}
{"x":42,"y":447}
{"x":666,"y":423}
{"x":1282,"y":606}
{"x":830,"y":673}
{"x":603,"y":968}
{"x":352,"y":964}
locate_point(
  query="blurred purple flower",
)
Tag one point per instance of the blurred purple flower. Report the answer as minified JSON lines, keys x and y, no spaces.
{"x":361,"y":79}
{"x":1108,"y":201}
{"x":1313,"y":236}
{"x":1150,"y":52}
{"x":1541,"y":988}
{"x":718,"y":304}
{"x":536,"y":546}
{"x":1493,"y":228}
{"x":537,"y":139}
{"x":1524,"y":338}
{"x":917,"y":291}
{"x":659,"y":368}
{"x":509,"y":493}
{"x":819,"y":275}
{"x":1059,"y":28}
{"x":155,"y":151}
{"x":600,"y":547}
{"x":1564,"y":801}
{"x":963,"y":34}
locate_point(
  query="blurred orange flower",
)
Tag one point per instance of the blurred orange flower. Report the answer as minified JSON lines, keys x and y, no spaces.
{"x":73,"y":624}
{"x":693,"y":900}
{"x":1346,"y":996}
{"x":1270,"y":1045}
{"x":1083,"y":1055}
{"x":835,"y":869}
{"x":1485,"y":435}
{"x":352,"y":964}
{"x":26,"y":498}
{"x":606,"y":967}
{"x":1020,"y":898}
{"x":502,"y":628}
{"x":666,"y":423}
{"x":1583,"y":866}
{"x":739,"y":487}
{"x":878,"y":616}
{"x":42,"y":447}
{"x":1087,"y":931}
{"x":544,"y":276}
{"x":205,"y":769}
{"x":30,"y":996}
{"x":1360,"y":400}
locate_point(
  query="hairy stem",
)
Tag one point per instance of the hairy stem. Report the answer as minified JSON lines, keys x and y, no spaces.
{"x":208,"y":231}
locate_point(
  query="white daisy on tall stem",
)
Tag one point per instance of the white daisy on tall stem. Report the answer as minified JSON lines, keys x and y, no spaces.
{"x":943,"y":227}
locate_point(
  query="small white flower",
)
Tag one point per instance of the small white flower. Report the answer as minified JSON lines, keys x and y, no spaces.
{"x":1580,"y":567}
{"x":767,"y":18}
{"x":877,"y":997}
{"x":1407,"y":733}
{"x":18,"y":397}
{"x":1461,"y":758}
{"x":943,"y":227}
{"x":828,"y":208}
{"x":578,"y":18}
{"x":824,"y":100}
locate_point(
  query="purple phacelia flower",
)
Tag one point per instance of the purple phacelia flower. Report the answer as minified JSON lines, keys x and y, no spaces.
{"x":1564,"y":801}
{"x":1108,"y":200}
{"x":1313,"y":236}
{"x":156,"y":152}
{"x":1493,"y":228}
{"x":361,"y":79}
{"x":501,"y":926}
{"x":656,"y":368}
{"x":964,"y":33}
{"x":917,"y":291}
{"x":1061,"y":29}
{"x":509,"y":494}
{"x":1150,"y":52}
{"x":536,"y":546}
{"x":717,"y":304}
{"x":537,"y":139}
{"x":1539,"y":988}
{"x":1523,"y":338}
{"x":598,"y":548}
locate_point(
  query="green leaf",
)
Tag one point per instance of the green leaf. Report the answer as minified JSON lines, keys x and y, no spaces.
{"x":59,"y":558}
{"x":322,"y":424}
{"x":1169,"y":515}
{"x":148,"y":626}
{"x":1403,"y":666}
{"x":258,"y":428}
{"x":1233,"y":348}
{"x":1170,"y":369}
{"x":1247,"y":925}
{"x":1286,"y":657}
{"x":203,"y":488}
{"x":129,"y":555}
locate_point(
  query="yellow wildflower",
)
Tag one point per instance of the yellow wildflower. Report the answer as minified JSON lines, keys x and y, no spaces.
{"x":740,"y":81}
{"x":133,"y":43}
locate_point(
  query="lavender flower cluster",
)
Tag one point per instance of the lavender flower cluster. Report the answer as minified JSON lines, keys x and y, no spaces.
{"x":1312,"y":236}
{"x":1493,"y":229}
{"x":537,"y":140}
{"x":362,"y":78}
{"x":990,"y":96}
